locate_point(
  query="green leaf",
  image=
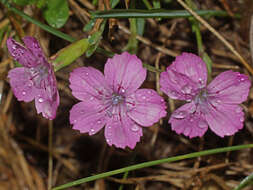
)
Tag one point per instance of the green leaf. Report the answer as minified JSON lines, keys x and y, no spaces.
{"x":69,"y":54}
{"x":56,"y":13}
{"x":23,"y":2}
{"x":245,"y":182}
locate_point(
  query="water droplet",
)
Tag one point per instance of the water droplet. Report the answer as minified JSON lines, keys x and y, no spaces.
{"x":238,"y":110}
{"x":179,"y":115}
{"x":86,"y":73}
{"x":202,"y":124}
{"x":191,"y":120}
{"x":99,"y":122}
{"x":23,"y":93}
{"x":228,"y":134}
{"x":40,"y":100}
{"x":122,"y":90}
{"x":172,"y":95}
{"x":75,"y":121}
{"x":186,"y":89}
{"x":109,"y":141}
{"x":143,"y":97}
{"x":92,"y":131}
{"x":218,"y":101}
{"x":241,"y":119}
{"x":91,"y":98}
{"x":149,"y":92}
{"x":135,"y":128}
{"x":82,"y":111}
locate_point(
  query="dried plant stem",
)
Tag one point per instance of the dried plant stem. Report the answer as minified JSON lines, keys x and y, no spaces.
{"x":50,"y":156}
{"x":216,"y":33}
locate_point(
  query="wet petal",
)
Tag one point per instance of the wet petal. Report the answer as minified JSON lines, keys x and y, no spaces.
{"x":21,"y":54}
{"x":122,"y":132}
{"x":21,"y":84}
{"x":146,"y":107}
{"x":45,"y":104}
{"x":87,"y":117}
{"x":124,"y":73}
{"x":33,"y":45}
{"x":87,"y":83}
{"x":188,"y":121}
{"x":177,"y":85}
{"x":225,"y":119}
{"x":191,"y":66}
{"x":229,"y":87}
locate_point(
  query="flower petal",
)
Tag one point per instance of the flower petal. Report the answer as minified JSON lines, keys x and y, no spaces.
{"x":21,"y":84}
{"x":122,"y":132}
{"x":46,"y":103}
{"x":33,"y":45}
{"x":21,"y":54}
{"x":124,"y":73}
{"x":191,"y":66}
{"x":87,"y":117}
{"x":177,"y":85}
{"x":225,"y":119}
{"x":145,"y":107}
{"x":87,"y":83}
{"x":188,"y":121}
{"x":229,"y":87}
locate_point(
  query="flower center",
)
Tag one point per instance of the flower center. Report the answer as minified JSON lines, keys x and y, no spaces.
{"x":38,"y":75}
{"x":117,"y":99}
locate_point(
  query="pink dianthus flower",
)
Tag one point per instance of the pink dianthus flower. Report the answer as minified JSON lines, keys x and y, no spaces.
{"x":215,"y":104}
{"x":36,"y":79}
{"x":113,"y":100}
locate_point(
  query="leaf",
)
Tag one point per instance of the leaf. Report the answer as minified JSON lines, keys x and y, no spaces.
{"x":56,"y":13}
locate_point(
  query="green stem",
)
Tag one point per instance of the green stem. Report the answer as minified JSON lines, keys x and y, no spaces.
{"x":245,"y":182}
{"x":155,"y":13}
{"x":147,"y":4}
{"x":153,"y":163}
{"x":43,"y":26}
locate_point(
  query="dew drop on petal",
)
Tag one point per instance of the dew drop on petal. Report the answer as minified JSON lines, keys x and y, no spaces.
{"x":238,"y":110}
{"x":202,"y":124}
{"x":99,"y":122}
{"x":122,"y":90}
{"x":135,"y":128}
{"x":172,"y":95}
{"x":86,"y":73}
{"x":179,"y":115}
{"x":75,"y":121}
{"x":186,"y":89}
{"x":109,"y":141}
{"x":241,"y":119}
{"x":92,"y":131}
{"x":191,"y":120}
{"x":23,"y":93}
{"x":40,"y":100}
{"x":91,"y":98}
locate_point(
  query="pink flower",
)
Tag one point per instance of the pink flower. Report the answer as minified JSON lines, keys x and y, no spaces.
{"x":215,"y":104}
{"x":36,"y":80}
{"x":113,"y":100}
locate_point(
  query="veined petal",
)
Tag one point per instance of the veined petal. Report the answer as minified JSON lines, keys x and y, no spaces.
{"x":87,"y":83}
{"x":124,"y":73}
{"x":122,"y":132}
{"x":188,"y":121}
{"x":191,"y":66}
{"x":33,"y":45}
{"x":21,"y":54}
{"x":225,"y":119}
{"x":229,"y":87}
{"x":177,"y":85}
{"x":145,"y":107}
{"x":47,"y":104}
{"x":87,"y":117}
{"x":21,"y":84}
